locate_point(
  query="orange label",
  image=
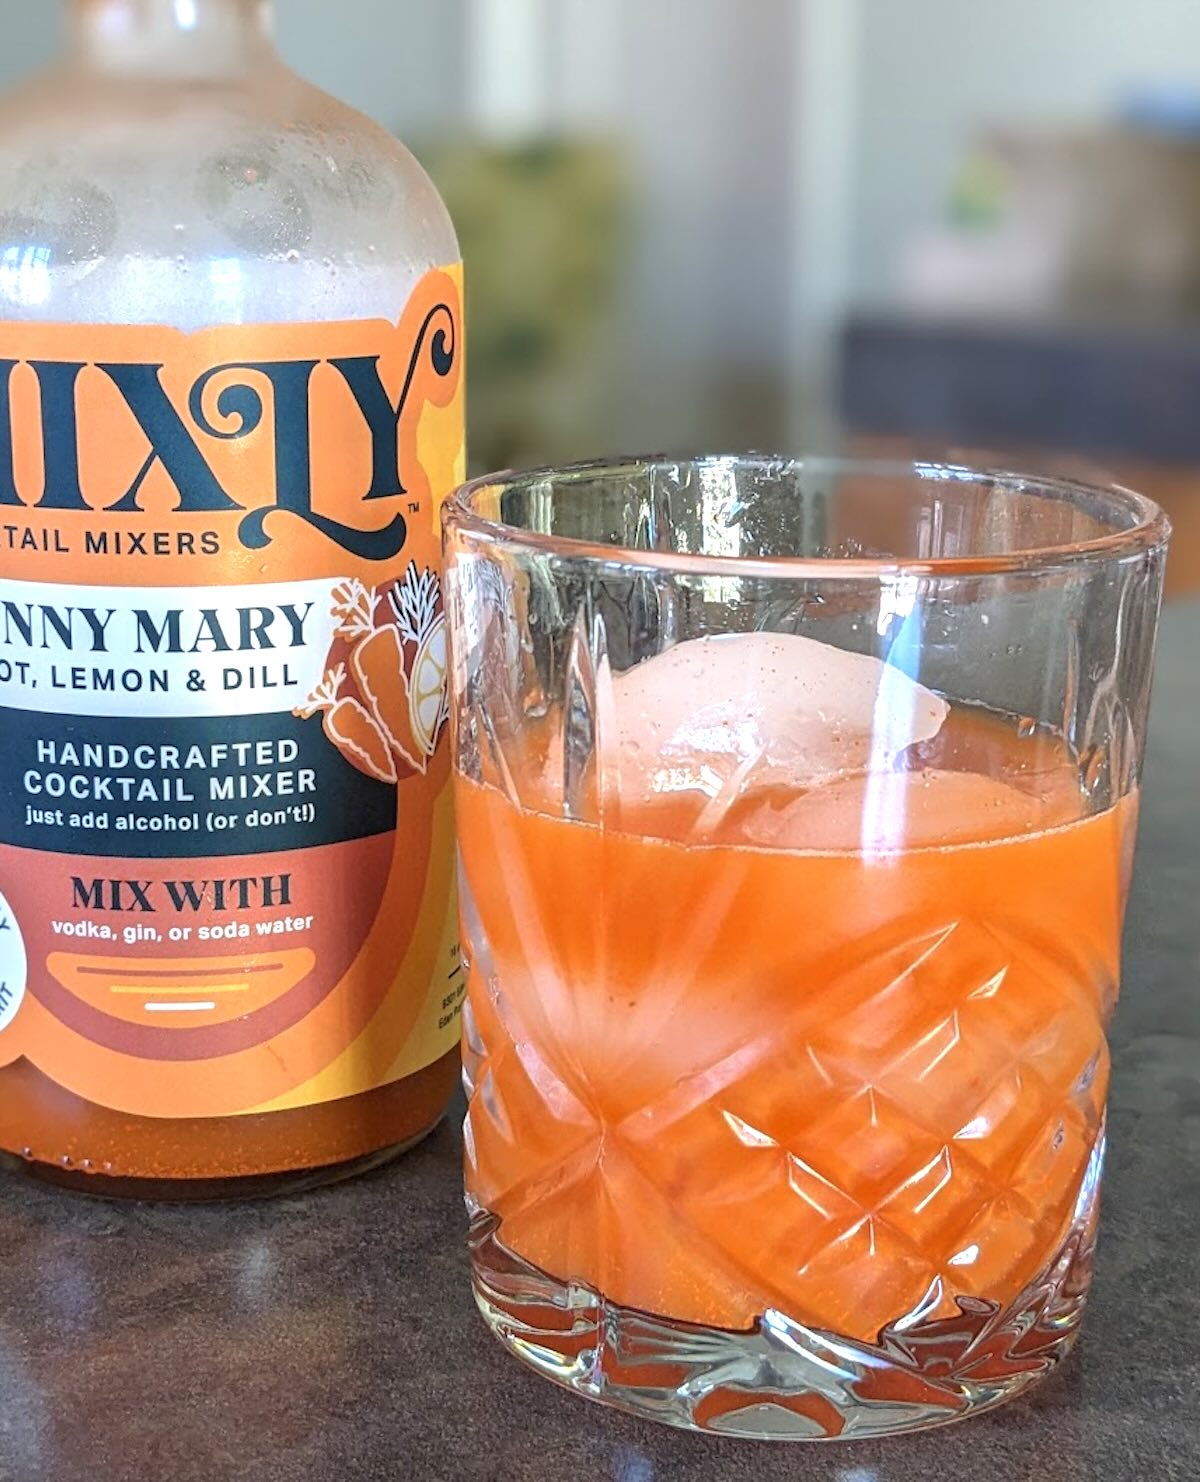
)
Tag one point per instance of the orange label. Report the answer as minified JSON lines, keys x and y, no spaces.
{"x":226,"y":853}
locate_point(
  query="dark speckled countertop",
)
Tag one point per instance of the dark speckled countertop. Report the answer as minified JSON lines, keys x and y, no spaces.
{"x":333,"y":1338}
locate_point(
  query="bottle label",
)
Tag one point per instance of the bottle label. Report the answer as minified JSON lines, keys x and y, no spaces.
{"x":226,"y":849}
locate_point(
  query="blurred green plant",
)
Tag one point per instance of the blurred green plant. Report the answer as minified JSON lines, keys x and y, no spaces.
{"x":542,"y":227}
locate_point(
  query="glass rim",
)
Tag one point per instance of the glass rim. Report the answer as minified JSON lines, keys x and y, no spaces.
{"x":1150,"y":528}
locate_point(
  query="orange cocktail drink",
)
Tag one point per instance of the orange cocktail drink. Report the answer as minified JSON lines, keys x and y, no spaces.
{"x":791,"y":958}
{"x":844,"y":1081}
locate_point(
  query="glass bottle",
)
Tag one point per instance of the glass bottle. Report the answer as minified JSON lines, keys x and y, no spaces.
{"x":230,"y":404}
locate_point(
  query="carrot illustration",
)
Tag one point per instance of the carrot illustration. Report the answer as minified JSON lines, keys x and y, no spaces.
{"x":350,"y":727}
{"x":378,"y":665}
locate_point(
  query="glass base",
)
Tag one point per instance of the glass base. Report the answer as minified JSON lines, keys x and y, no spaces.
{"x":783,"y":1381}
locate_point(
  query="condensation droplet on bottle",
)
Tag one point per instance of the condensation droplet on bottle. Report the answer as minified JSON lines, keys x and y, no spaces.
{"x":180,"y":228}
{"x":66,"y":1161}
{"x":1026,"y":727}
{"x":292,"y":255}
{"x":27,"y":1154}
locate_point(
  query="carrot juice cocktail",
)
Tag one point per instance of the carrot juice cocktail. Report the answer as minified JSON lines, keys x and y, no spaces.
{"x":790,"y":969}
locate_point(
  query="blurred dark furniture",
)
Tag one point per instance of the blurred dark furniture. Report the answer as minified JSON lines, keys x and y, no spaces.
{"x":1125,"y":393}
{"x":1122,"y":403}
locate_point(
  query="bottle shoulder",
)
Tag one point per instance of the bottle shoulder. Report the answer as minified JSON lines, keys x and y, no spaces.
{"x":192,"y":203}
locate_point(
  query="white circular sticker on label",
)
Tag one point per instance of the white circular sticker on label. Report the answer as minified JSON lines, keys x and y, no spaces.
{"x":13,"y":965}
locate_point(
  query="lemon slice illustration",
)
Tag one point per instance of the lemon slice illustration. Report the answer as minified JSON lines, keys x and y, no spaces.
{"x":427,"y":687}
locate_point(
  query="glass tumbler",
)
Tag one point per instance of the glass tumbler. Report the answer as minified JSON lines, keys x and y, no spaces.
{"x":796,"y":804}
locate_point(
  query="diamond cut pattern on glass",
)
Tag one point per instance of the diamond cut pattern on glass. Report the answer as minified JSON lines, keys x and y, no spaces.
{"x":916,"y":1128}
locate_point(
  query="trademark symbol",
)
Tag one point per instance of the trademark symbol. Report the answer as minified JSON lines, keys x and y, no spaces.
{"x":414,"y":506}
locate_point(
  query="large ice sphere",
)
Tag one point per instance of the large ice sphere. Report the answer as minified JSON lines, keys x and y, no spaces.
{"x":719,"y":716}
{"x":880,"y":813}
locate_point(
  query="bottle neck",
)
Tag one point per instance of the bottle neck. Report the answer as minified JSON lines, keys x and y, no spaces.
{"x":205,"y":39}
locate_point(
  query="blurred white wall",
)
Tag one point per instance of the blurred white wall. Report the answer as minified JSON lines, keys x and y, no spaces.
{"x":933,"y":71}
{"x":705,"y":99}
{"x":398,"y":60}
{"x":30,"y":39}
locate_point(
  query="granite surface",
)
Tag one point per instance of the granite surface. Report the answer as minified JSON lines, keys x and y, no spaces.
{"x":332,"y":1338}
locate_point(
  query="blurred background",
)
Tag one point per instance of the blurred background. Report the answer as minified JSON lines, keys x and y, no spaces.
{"x":924,"y":225}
